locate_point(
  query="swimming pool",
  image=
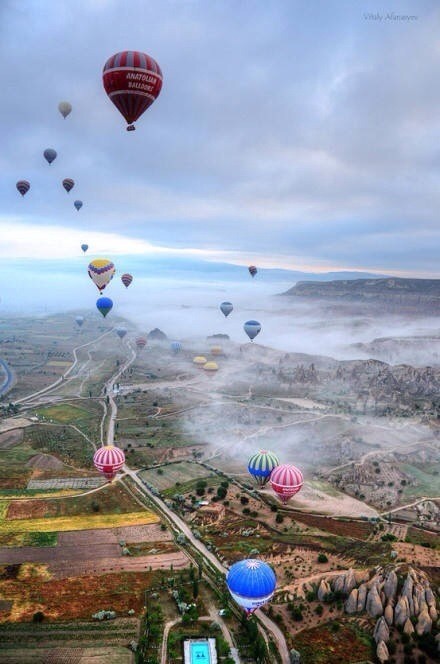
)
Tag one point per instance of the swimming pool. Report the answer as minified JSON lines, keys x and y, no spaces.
{"x":200,"y":652}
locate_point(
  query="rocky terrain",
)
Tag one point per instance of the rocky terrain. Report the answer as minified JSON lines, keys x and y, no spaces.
{"x":392,"y":294}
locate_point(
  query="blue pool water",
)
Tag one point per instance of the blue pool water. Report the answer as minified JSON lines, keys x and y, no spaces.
{"x":200,"y":652}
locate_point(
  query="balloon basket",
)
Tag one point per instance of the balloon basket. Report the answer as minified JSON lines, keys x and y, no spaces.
{"x":131,"y":128}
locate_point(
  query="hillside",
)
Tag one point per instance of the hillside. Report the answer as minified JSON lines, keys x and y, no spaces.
{"x":395,"y":293}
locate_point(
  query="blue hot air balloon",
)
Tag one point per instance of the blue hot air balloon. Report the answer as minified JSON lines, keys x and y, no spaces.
{"x":104,"y":305}
{"x":261,"y":464}
{"x":252,"y":328}
{"x":78,"y":205}
{"x":251,"y":583}
{"x":50,"y":155}
{"x":121,"y":332}
{"x":176,"y":346}
{"x":84,"y":247}
{"x":226,"y":308}
{"x":79,"y":320}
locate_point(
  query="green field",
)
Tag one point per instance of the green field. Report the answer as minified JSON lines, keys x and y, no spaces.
{"x":63,"y":442}
{"x":166,"y":477}
{"x":427,"y":480}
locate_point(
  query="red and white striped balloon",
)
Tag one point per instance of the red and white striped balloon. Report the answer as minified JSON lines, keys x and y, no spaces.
{"x":286,"y":480}
{"x":108,"y":460}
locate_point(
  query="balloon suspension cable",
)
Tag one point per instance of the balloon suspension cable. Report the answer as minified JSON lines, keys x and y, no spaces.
{"x":131,"y":128}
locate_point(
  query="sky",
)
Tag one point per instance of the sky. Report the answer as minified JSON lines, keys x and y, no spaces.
{"x":292,"y":134}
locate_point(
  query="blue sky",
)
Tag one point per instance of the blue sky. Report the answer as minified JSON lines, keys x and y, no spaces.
{"x":302,"y":135}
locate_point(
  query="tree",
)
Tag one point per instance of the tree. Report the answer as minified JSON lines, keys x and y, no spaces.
{"x":195,"y":588}
{"x":38,"y":617}
{"x":322,"y":558}
{"x":221,"y":492}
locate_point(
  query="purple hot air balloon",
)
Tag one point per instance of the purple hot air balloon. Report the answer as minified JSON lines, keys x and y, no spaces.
{"x":68,"y":184}
{"x":126,"y":279}
{"x":23,"y":186}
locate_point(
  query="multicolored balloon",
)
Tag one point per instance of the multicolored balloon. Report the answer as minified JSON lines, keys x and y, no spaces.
{"x":252,"y":270}
{"x":78,"y":205}
{"x":79,"y":320}
{"x":104,"y":305}
{"x":121,"y":332}
{"x":126,"y":279}
{"x":261,"y":465}
{"x":68,"y":184}
{"x":65,"y":108}
{"x":141,"y":342}
{"x":84,"y":247}
{"x":132,"y":80}
{"x":176,"y":346}
{"x":101,"y":271}
{"x":50,"y":155}
{"x":23,"y":186}
{"x":286,"y":480}
{"x":251,"y":583}
{"x":252,"y":328}
{"x":108,"y":460}
{"x":226,"y":308}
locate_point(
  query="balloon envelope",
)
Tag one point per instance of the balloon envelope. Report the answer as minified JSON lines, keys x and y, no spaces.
{"x":50,"y":154}
{"x":252,"y":328}
{"x":79,"y":320}
{"x":78,"y":205}
{"x":108,"y":460}
{"x":101,"y":271}
{"x":226,"y":308}
{"x":132,"y":80}
{"x":176,"y":346}
{"x":200,"y":360}
{"x":65,"y":108}
{"x":121,"y":332}
{"x":68,"y":184}
{"x":251,"y":583}
{"x":126,"y":279}
{"x":210,"y":366}
{"x":23,"y":186}
{"x":104,"y":305}
{"x":141,"y":342}
{"x":252,"y":270}
{"x":261,"y":465}
{"x":286,"y":480}
{"x":84,"y":247}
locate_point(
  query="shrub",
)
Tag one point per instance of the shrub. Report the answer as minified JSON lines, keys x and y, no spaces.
{"x":279,"y":518}
{"x":322,"y":558}
{"x":38,"y":617}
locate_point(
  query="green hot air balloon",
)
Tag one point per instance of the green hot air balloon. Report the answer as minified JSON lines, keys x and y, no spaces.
{"x":261,"y":464}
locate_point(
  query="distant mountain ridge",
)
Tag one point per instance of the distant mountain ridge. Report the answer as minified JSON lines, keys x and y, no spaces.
{"x":394,"y":292}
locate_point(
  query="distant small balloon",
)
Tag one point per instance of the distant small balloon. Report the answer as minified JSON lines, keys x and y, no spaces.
{"x":65,"y":108}
{"x":68,"y":184}
{"x":23,"y":186}
{"x":176,"y":346}
{"x":78,"y":205}
{"x":84,"y":247}
{"x":79,"y":320}
{"x":104,"y":305}
{"x":252,"y":270}
{"x":126,"y":280}
{"x":252,"y":328}
{"x":50,"y":155}
{"x":226,"y":308}
{"x":141,"y":342}
{"x":121,"y":332}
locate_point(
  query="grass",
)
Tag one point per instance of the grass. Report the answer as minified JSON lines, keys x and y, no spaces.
{"x":416,"y":536}
{"x":167,"y":476}
{"x":84,"y":522}
{"x":28,"y":539}
{"x":63,"y":442}
{"x":65,"y":413}
{"x":427,"y":484}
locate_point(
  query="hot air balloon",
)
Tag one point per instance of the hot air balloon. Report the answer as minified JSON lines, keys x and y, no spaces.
{"x":200,"y":360}
{"x":84,"y":247}
{"x":78,"y":205}
{"x":133,"y":81}
{"x":252,"y":328}
{"x":141,"y":342}
{"x":101,"y":272}
{"x":108,"y":460}
{"x":104,"y":305}
{"x":261,"y":464}
{"x":211,"y":367}
{"x":68,"y":184}
{"x":126,"y":279}
{"x":251,"y":583}
{"x":286,"y":480}
{"x":176,"y":346}
{"x":64,"y":108}
{"x":50,"y":155}
{"x":226,"y":308}
{"x":121,"y":332}
{"x":252,"y":270}
{"x":23,"y":186}
{"x":216,"y":350}
{"x":79,"y":320}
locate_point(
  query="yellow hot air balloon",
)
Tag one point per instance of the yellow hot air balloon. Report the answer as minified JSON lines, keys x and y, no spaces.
{"x":101,"y":271}
{"x":216,"y":350}
{"x":199,"y":360}
{"x":211,"y":366}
